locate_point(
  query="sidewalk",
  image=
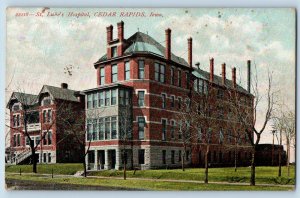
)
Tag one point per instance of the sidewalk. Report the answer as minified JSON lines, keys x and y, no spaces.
{"x":154,"y":180}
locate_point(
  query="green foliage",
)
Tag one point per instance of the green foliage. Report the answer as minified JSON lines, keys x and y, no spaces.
{"x":63,"y":169}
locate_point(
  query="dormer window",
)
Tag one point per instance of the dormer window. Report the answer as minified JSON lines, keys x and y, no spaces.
{"x":114,"y":52}
{"x":46,"y":101}
{"x":16,"y":107}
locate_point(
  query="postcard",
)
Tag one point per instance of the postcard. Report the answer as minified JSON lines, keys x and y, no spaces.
{"x":156,"y":99}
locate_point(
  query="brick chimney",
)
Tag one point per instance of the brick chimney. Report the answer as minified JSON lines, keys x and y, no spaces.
{"x":198,"y":65}
{"x":168,"y":44}
{"x":234,"y":77}
{"x":120,"y":37}
{"x":64,"y":85}
{"x":190,"y":51}
{"x":109,"y":33}
{"x":211,"y":74}
{"x":223,"y":74}
{"x":249,"y":76}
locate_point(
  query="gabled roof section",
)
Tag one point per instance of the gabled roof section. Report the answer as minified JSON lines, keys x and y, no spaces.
{"x":199,"y":73}
{"x":60,"y":93}
{"x":23,"y":98}
{"x":140,"y":42}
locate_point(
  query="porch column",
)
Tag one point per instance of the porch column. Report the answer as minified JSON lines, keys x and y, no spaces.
{"x":118,"y":159}
{"x":96,"y":162}
{"x":106,"y":163}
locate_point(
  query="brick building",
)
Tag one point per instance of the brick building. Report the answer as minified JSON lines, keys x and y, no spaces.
{"x":41,"y":114}
{"x":141,"y":87}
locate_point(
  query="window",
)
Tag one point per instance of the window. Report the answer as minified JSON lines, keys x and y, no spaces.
{"x":47,"y":101}
{"x":127,"y":97}
{"x":156,"y":71}
{"x":209,"y":135}
{"x":27,"y":141}
{"x":16,"y":107}
{"x":95,"y":98}
{"x":187,"y":78}
{"x":101,"y":129}
{"x":180,"y":130}
{"x":95,"y":130}
{"x":15,"y":140}
{"x":89,"y":104}
{"x":45,"y":138}
{"x":159,"y":72}
{"x":179,"y":103}
{"x":49,"y":138}
{"x":141,"y":156}
{"x":114,"y":73}
{"x":172,"y":76}
{"x":162,"y":73}
{"x":229,"y":136}
{"x":114,"y":52}
{"x":179,"y":156}
{"x":164,"y":101}
{"x":49,"y":116}
{"x":199,"y":134}
{"x":113,"y":97}
{"x":221,"y":136}
{"x":49,"y":157}
{"x":164,"y":156}
{"x":188,"y":104}
{"x":45,"y":158}
{"x":220,"y":94}
{"x":37,"y":140}
{"x":173,"y":157}
{"x":101,"y":99}
{"x":164,"y":129}
{"x":187,"y":157}
{"x":18,"y":120}
{"x":107,"y":128}
{"x":89,"y":130}
{"x":15,"y":120}
{"x":102,"y":76}
{"x":141,"y":126}
{"x":127,"y":70}
{"x":172,"y":101}
{"x":107,"y":98}
{"x":179,"y":78}
{"x":121,"y":97}
{"x":113,"y":128}
{"x":141,"y":69}
{"x":141,"y":98}
{"x":172,"y":129}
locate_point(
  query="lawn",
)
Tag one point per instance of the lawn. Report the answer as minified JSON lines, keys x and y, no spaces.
{"x":264,"y":175}
{"x":145,"y":185}
{"x":64,"y":169}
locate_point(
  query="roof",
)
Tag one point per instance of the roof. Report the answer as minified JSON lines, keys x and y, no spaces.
{"x":60,"y":93}
{"x":24,"y":98}
{"x":140,"y":42}
{"x":107,"y":87}
{"x":199,"y":73}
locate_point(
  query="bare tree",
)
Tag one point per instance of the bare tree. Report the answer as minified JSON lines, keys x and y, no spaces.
{"x":247,"y":115}
{"x":27,"y":105}
{"x":126,"y":134}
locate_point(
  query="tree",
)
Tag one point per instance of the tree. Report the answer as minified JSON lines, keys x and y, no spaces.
{"x":247,"y":115}
{"x":27,"y":105}
{"x":126,"y":134}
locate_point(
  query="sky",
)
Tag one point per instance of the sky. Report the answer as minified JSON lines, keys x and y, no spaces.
{"x":39,"y":49}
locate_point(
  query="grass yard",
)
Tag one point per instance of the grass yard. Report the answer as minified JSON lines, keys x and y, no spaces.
{"x":64,"y":169}
{"x":264,"y":175}
{"x":143,"y":185}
